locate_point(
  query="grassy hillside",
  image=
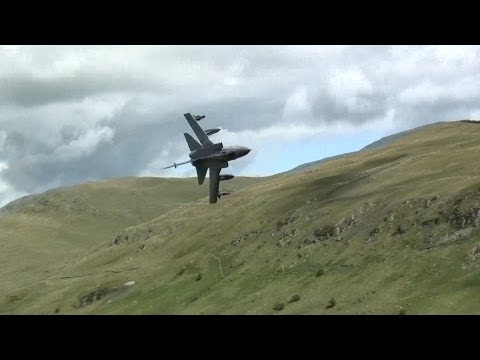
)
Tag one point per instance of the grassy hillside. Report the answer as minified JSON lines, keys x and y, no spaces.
{"x":41,"y":234}
{"x":385,"y":231}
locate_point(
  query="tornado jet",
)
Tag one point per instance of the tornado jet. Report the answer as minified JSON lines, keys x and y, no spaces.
{"x":205,"y":155}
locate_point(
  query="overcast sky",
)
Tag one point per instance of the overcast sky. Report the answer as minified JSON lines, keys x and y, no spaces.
{"x":70,"y":114}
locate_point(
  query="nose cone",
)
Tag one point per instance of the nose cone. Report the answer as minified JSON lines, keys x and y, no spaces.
{"x":244,"y":151}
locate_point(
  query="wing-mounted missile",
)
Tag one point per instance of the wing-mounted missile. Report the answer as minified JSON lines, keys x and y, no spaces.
{"x":175,"y":164}
{"x":222,"y":193}
{"x":199,"y":117}
{"x":224,"y":177}
{"x":212,"y":131}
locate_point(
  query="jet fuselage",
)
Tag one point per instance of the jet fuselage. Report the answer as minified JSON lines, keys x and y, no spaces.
{"x":218,"y":157}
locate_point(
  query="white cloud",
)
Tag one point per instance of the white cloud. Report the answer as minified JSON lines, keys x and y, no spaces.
{"x":466,"y":89}
{"x":423,"y":92}
{"x":454,"y":55}
{"x":298,"y":107}
{"x":85,"y":144}
{"x":347,"y":83}
{"x":7,"y":191}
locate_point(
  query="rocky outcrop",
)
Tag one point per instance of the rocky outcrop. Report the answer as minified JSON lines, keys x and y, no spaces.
{"x":287,"y":220}
{"x":460,"y":219}
{"x":324,"y":232}
{"x":474,"y":253}
{"x":122,"y":237}
{"x":94,"y":296}
{"x":133,"y":234}
{"x":285,"y":237}
{"x":243,"y":237}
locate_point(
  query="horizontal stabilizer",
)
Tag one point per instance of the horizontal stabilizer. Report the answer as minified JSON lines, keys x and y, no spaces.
{"x":192,"y":143}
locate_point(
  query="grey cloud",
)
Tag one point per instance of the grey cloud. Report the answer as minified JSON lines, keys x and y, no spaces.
{"x":243,"y":113}
{"x":255,"y":57}
{"x":29,"y":91}
{"x":17,"y":145}
{"x":367,"y":107}
{"x":130,"y":151}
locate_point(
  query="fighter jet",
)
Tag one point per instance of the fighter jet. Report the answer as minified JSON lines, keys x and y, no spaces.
{"x":206,"y":155}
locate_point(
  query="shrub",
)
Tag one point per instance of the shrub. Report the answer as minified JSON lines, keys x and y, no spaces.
{"x":331,"y":303}
{"x":294,"y":298}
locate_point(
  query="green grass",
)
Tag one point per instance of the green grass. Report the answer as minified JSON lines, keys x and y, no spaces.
{"x":257,"y":247}
{"x":42,"y":234}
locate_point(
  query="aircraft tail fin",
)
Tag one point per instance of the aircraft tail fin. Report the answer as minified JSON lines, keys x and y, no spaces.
{"x":192,"y":143}
{"x":201,"y":173}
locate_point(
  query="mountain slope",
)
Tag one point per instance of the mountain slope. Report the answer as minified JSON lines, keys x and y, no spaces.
{"x":387,"y":140}
{"x":41,"y":234}
{"x":381,"y":143}
{"x":319,"y":162}
{"x":388,"y":230}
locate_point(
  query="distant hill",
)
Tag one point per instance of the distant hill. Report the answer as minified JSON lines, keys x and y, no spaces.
{"x":318,"y":162}
{"x":392,"y":230}
{"x":385,"y":141}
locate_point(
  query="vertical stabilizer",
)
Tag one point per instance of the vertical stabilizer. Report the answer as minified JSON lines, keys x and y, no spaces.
{"x":201,"y":173}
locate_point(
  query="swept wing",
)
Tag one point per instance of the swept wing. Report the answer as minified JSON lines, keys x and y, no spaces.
{"x":197,"y":129}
